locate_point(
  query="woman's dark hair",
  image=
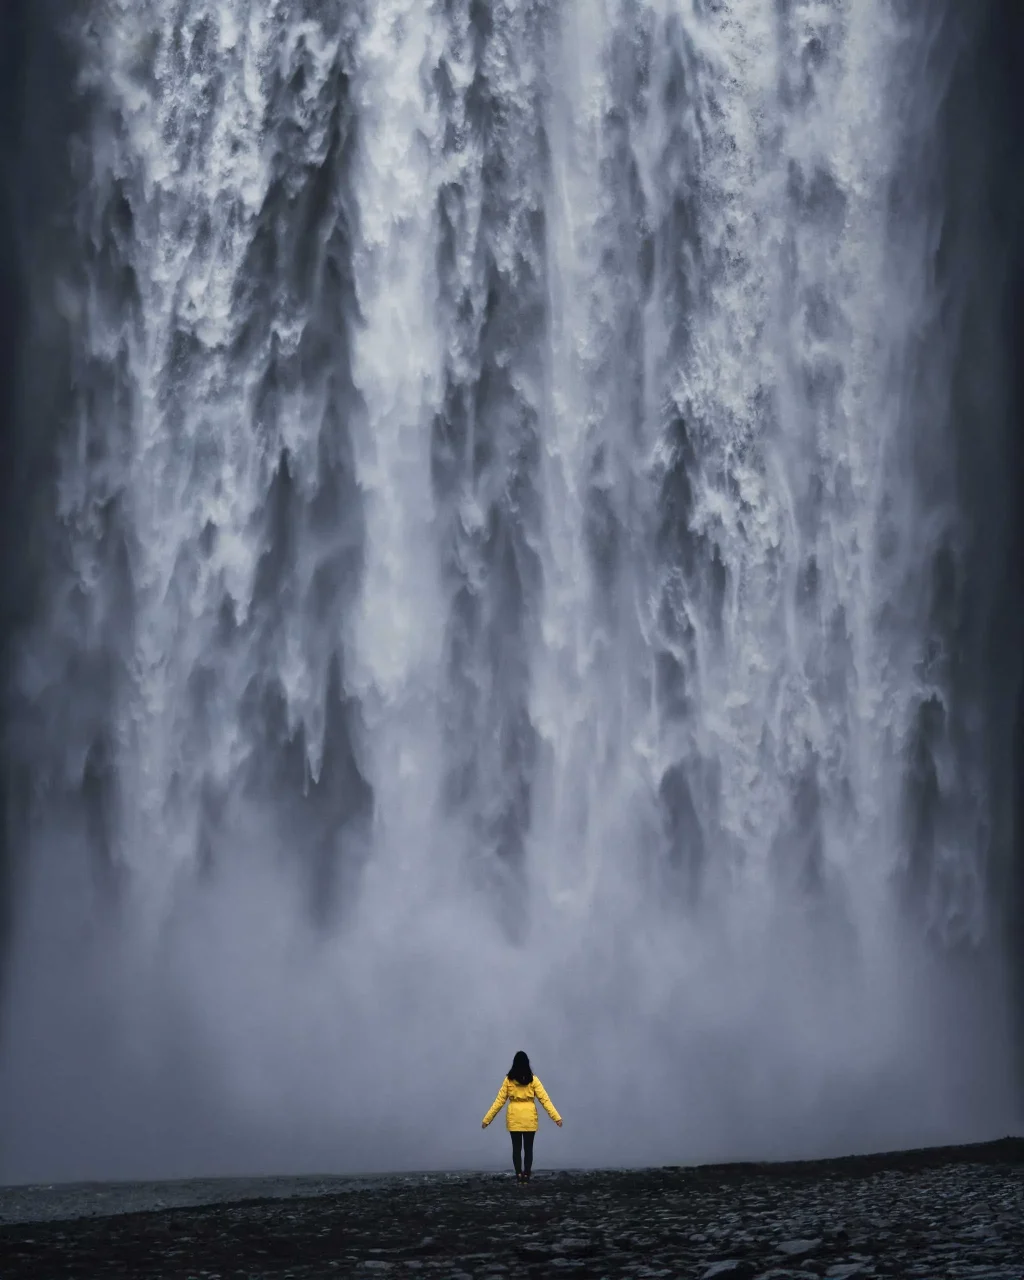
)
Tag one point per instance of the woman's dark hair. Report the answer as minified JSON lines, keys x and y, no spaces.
{"x":520,"y":1071}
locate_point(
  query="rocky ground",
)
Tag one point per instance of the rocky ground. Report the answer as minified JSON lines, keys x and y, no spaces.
{"x":957,"y":1212}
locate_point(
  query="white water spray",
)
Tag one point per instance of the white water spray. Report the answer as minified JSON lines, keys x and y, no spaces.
{"x":502,"y":594}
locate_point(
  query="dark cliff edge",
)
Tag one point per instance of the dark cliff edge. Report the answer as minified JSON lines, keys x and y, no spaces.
{"x":37,"y":105}
{"x":1007,"y":55}
{"x":13,"y":43}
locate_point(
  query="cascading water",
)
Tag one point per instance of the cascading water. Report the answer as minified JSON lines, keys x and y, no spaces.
{"x":507,"y":578}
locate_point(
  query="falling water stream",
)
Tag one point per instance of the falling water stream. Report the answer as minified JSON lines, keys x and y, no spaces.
{"x":509,"y":578}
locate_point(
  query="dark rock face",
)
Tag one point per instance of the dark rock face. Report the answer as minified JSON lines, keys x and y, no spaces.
{"x":949,"y":1213}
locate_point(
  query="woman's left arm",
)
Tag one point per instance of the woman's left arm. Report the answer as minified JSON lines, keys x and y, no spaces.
{"x":497,"y":1104}
{"x":546,"y":1102}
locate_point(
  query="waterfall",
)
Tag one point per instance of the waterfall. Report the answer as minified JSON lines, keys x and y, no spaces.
{"x":513,"y":568}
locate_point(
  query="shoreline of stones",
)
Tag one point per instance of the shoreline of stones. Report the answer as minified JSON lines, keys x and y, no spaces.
{"x":928,"y":1215}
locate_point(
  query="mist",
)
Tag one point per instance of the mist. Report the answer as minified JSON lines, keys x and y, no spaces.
{"x":510,"y":530}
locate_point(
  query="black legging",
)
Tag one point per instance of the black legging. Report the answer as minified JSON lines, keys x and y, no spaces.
{"x":519,"y":1140}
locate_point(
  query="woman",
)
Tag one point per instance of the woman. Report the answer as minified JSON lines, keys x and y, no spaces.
{"x":519,"y":1089}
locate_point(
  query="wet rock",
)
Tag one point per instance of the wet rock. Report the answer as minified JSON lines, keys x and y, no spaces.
{"x":798,"y":1248}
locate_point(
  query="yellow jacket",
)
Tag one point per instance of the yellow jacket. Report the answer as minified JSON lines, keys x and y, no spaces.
{"x":521,"y":1116}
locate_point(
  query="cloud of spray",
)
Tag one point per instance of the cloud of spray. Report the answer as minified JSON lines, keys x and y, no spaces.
{"x":241,"y":1041}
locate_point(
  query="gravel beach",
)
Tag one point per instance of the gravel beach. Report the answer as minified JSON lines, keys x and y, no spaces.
{"x":953,"y":1212}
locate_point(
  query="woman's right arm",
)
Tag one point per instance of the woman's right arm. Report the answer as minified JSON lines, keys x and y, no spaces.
{"x":546,"y":1102}
{"x":497,"y":1104}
